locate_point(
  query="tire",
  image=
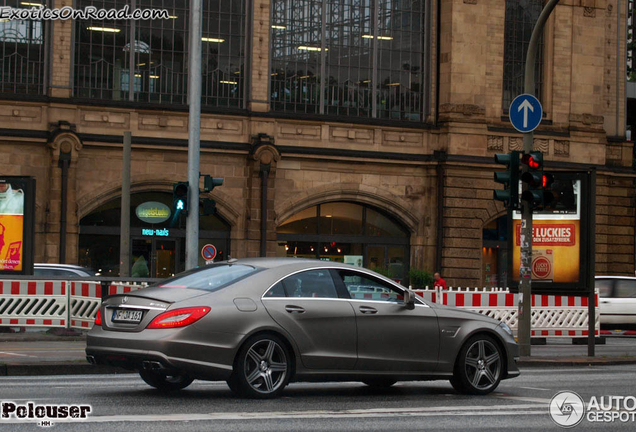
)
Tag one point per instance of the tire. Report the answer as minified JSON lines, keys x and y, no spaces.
{"x":379,"y":382}
{"x":167,"y":383}
{"x":262,"y":368}
{"x":479,"y":366}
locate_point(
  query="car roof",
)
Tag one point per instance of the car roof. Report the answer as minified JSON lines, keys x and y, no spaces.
{"x":298,"y":263}
{"x":60,"y":266}
{"x":616,"y":277}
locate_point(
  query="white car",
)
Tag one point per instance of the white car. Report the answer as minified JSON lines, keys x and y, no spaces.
{"x":617,"y":299}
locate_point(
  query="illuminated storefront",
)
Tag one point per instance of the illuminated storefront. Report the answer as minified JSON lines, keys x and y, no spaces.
{"x":347,"y":232}
{"x":157,"y":249}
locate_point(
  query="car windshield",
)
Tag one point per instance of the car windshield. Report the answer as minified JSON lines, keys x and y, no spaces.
{"x":209,"y":278}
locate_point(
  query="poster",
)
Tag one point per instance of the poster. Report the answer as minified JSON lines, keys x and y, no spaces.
{"x":11,"y":225}
{"x":556,"y":237}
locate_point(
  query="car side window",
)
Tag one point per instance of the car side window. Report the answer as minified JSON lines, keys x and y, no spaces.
{"x":53,"y":272}
{"x":604,"y":287}
{"x":276,"y":291}
{"x":625,"y":288}
{"x":362,"y":287}
{"x":312,"y":283}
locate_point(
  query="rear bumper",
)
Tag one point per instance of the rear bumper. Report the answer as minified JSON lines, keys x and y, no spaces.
{"x":165,"y":350}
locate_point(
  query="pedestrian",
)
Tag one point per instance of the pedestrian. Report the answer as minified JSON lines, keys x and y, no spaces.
{"x":439,"y":282}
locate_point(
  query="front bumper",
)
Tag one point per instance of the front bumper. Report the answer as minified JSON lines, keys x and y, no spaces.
{"x":204,"y":356}
{"x":512,"y":350}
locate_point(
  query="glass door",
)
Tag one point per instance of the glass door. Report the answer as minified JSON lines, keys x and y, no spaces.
{"x":141,"y":258}
{"x":165,"y":258}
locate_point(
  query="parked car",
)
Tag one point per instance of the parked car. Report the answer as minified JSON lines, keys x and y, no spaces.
{"x":66,"y":270}
{"x":260,"y":323}
{"x":617,"y":301}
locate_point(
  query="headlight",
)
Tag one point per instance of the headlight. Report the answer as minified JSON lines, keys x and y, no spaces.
{"x":505,"y":327}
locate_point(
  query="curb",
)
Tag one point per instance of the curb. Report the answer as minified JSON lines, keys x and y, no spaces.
{"x":549,"y":362}
{"x":79,"y":368}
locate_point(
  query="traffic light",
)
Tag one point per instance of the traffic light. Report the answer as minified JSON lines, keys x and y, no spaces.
{"x":180,"y":197}
{"x":210,"y":183}
{"x":538,"y":195}
{"x":208,"y":206}
{"x":510,"y":179}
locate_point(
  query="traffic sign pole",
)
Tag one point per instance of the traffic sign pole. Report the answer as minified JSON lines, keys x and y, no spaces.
{"x":525,"y":279}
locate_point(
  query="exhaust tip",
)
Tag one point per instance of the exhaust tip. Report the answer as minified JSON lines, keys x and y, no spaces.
{"x":91,"y":359}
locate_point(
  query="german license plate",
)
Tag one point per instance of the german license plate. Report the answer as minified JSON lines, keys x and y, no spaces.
{"x":127,"y":315}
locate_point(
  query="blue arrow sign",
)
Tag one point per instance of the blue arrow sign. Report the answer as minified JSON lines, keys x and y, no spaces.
{"x":525,"y":113}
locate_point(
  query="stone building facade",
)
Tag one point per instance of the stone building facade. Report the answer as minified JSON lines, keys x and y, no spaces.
{"x":432,"y":177}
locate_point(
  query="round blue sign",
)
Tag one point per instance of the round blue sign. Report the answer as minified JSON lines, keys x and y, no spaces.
{"x":208,"y":252}
{"x":525,"y":113}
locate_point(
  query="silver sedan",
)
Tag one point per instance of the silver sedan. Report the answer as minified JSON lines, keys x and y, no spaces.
{"x":260,"y":323}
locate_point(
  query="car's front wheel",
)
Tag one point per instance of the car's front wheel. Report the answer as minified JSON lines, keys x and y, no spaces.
{"x":479,"y":366}
{"x":262,"y":368}
{"x":165,"y":382}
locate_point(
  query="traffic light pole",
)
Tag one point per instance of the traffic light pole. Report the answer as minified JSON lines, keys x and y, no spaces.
{"x":194,"y":136}
{"x":525,"y":276}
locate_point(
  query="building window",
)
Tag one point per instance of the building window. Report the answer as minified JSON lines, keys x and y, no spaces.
{"x":102,"y":54}
{"x":22,"y":54}
{"x":347,"y":232}
{"x":521,"y":16}
{"x":358,"y":58}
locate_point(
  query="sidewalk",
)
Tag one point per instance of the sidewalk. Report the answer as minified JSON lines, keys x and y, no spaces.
{"x":45,"y":354}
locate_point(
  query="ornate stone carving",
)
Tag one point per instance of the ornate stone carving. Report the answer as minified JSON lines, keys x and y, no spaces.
{"x":65,"y":142}
{"x":541,"y":145}
{"x":466,"y":109}
{"x":495,"y":143}
{"x":561,"y":148}
{"x":515,"y":143}
{"x":589,"y":12}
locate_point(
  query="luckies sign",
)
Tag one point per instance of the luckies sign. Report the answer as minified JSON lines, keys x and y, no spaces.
{"x":153,"y":212}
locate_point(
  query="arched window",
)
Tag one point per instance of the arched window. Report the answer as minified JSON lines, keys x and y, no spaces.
{"x":521,"y":16}
{"x":157,"y":249}
{"x":347,"y":232}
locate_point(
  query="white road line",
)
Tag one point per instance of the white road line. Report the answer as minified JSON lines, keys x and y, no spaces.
{"x":340,"y":414}
{"x":526,"y":399}
{"x":16,"y":354}
{"x":535,"y":388}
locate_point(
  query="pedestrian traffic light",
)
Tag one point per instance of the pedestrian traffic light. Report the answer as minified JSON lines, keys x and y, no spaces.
{"x":538,"y":194}
{"x":180,"y":197}
{"x":510,"y":179}
{"x":208,"y":206}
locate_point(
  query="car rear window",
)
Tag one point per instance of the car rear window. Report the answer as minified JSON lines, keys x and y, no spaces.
{"x":210,"y":278}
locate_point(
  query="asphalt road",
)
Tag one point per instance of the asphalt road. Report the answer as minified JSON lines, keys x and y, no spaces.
{"x":124,"y":402}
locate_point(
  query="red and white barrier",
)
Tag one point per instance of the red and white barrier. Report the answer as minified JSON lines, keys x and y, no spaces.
{"x":33,"y":303}
{"x":123,"y":288}
{"x":85,"y":299}
{"x":552,"y":316}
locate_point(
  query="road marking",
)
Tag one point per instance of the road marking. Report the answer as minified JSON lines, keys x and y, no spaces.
{"x":510,"y":410}
{"x":525,"y":399}
{"x":16,"y":354}
{"x":535,"y":388}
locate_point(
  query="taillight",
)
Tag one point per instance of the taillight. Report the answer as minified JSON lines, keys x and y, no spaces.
{"x":98,"y":318}
{"x":178,"y":317}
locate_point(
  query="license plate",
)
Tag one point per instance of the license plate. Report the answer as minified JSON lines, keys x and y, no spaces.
{"x":127,"y":315}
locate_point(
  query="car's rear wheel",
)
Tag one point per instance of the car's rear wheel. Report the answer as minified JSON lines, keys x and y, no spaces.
{"x":479,"y":366}
{"x":379,"y":382}
{"x":262,"y":368}
{"x":165,"y":382}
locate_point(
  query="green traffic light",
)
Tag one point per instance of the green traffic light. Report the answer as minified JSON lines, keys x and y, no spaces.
{"x":180,"y":205}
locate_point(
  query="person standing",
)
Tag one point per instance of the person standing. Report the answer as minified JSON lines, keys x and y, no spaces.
{"x":439,"y":282}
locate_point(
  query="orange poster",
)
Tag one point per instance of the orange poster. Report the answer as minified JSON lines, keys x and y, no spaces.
{"x":555,"y":250}
{"x":11,"y":231}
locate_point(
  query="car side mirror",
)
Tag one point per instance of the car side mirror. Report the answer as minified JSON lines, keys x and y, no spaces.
{"x":409,"y":299}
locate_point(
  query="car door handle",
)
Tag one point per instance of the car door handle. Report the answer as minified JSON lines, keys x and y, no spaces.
{"x":294,"y":309}
{"x":604,"y":301}
{"x":368,"y":310}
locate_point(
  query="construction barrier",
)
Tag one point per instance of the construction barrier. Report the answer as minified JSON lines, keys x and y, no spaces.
{"x":33,"y":303}
{"x":552,"y":316}
{"x":84,"y":301}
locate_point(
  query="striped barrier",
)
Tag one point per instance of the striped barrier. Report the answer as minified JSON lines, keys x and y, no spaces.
{"x":552,"y":316}
{"x":123,"y":288}
{"x":33,"y":303}
{"x":85,"y":299}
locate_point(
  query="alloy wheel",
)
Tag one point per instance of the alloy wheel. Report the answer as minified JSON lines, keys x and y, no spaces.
{"x":483,"y":364}
{"x":265,"y":366}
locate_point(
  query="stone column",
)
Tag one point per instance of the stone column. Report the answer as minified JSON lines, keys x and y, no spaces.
{"x":259,"y":98}
{"x":61,"y":54}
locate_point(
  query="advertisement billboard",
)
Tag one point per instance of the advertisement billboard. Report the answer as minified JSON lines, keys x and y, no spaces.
{"x":16,"y":224}
{"x":559,"y":237}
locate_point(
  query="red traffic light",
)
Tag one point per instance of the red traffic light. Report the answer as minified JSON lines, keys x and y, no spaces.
{"x":529,"y":160}
{"x":548,"y":179}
